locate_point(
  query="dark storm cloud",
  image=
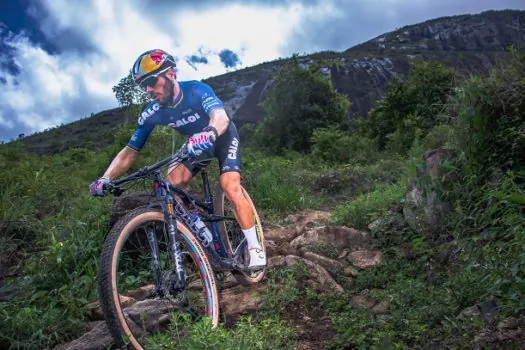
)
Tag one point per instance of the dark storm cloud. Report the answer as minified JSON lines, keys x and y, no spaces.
{"x":193,"y":60}
{"x":7,"y":53}
{"x":229,"y":58}
{"x":56,"y":39}
{"x":17,"y":19}
{"x":363,"y":20}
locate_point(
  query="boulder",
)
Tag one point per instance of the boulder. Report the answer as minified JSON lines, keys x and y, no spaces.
{"x":126,"y":202}
{"x":424,"y":211}
{"x":323,"y":279}
{"x":282,"y":234}
{"x":339,"y":236}
{"x":96,"y":339}
{"x":366,"y":258}
{"x":327,"y":263}
{"x":241,"y":299}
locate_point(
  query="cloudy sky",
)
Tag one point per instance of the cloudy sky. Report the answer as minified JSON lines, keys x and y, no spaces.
{"x":59,"y":59}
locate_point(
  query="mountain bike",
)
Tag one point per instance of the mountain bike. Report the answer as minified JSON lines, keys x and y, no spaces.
{"x":173,"y":248}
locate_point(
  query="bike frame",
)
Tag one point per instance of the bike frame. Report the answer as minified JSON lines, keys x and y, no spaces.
{"x":220,"y":259}
{"x":173,"y":210}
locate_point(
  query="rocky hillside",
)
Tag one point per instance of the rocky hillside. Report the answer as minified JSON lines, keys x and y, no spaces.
{"x":472,"y":44}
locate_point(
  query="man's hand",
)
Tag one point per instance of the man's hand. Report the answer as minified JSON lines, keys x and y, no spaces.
{"x":97,"y":187}
{"x":202,"y":141}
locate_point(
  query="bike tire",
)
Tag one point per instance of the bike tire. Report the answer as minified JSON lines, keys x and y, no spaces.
{"x":120,"y":322}
{"x":232,"y":235}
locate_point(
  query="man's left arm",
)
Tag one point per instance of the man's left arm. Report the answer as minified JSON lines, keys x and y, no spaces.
{"x":217,"y":125}
{"x":219,"y":120}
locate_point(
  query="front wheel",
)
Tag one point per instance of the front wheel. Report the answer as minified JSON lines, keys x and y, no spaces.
{"x":136,"y":309}
{"x":232,"y":235}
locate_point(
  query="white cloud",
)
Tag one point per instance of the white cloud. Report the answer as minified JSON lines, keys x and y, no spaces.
{"x":6,"y":123}
{"x":53,"y":89}
{"x":48,"y":88}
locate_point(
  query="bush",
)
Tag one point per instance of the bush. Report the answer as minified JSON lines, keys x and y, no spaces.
{"x":489,"y":198}
{"x":337,"y":146}
{"x":491,"y":117}
{"x":273,"y":183}
{"x":411,"y":108}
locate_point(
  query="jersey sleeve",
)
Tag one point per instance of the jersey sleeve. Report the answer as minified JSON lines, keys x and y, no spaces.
{"x":146,"y":123}
{"x":140,"y":136}
{"x":207,"y":98}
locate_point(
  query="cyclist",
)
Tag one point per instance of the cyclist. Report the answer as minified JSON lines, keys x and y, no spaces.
{"x":193,"y":109}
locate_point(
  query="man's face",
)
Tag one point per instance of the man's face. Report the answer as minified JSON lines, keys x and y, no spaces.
{"x":162,"y":91}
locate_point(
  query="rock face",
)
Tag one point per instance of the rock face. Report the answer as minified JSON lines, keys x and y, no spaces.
{"x":424,"y":211}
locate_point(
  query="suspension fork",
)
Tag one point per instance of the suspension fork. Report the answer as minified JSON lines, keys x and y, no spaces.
{"x":155,"y":261}
{"x":175,"y":252}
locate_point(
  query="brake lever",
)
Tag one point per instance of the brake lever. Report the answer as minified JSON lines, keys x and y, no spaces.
{"x":114,"y":190}
{"x":118,"y":191}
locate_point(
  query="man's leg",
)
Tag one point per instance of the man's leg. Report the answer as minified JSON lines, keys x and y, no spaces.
{"x":179,"y":176}
{"x":231,"y":185}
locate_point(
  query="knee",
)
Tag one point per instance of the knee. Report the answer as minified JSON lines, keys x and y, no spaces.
{"x":233,"y":191}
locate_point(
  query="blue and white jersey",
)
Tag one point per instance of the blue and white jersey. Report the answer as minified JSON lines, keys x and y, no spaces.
{"x":188,"y":114}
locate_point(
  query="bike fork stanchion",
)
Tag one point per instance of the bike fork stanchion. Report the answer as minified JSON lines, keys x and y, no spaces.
{"x":155,"y":261}
{"x":176,"y":254}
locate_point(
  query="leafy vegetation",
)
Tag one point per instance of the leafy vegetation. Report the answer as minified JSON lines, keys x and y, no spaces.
{"x":411,"y":108}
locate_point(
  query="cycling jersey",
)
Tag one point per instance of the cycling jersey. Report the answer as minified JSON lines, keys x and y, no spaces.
{"x":189,"y":114}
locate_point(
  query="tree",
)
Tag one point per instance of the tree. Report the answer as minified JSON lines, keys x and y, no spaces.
{"x":300,"y":100}
{"x":128,"y":93}
{"x":411,"y":108}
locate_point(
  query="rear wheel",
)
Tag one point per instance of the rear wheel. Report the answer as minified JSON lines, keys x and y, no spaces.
{"x":134,"y":310}
{"x":232,"y":235}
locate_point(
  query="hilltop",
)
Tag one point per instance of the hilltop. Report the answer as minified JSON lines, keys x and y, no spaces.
{"x":471,"y":44}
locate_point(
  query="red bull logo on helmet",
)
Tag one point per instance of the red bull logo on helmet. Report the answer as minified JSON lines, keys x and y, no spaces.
{"x":157,"y":56}
{"x":152,"y":61}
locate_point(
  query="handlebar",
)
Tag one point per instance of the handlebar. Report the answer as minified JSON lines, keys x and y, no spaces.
{"x":114,"y":187}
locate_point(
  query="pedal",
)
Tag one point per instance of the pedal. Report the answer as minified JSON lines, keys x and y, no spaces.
{"x":254,"y":268}
{"x":227,"y":264}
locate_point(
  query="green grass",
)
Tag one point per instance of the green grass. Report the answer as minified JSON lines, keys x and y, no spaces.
{"x":252,"y":333}
{"x":367,"y":207}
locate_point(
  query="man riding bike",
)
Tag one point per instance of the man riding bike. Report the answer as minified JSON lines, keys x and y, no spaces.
{"x":191,"y":108}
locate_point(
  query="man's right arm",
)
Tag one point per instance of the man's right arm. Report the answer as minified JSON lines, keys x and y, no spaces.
{"x":121,"y":163}
{"x":127,"y":156}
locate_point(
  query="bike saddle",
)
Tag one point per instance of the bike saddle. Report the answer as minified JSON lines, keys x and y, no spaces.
{"x":202,"y":162}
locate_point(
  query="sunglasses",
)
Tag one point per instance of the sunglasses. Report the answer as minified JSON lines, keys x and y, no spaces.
{"x":152,"y":80}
